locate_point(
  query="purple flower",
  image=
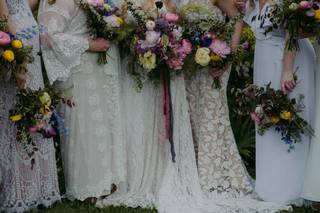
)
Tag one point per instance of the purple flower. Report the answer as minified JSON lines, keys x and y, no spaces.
{"x":205,"y":41}
{"x":246,"y":45}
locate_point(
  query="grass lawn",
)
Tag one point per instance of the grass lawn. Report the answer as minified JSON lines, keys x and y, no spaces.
{"x":78,"y":207}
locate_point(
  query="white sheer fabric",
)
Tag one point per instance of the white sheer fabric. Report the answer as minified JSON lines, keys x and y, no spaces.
{"x":156,"y":181}
{"x":94,"y":152}
{"x":280,"y":175}
{"x":21,"y":187}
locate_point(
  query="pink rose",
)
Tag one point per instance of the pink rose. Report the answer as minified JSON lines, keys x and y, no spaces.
{"x":255,"y":117}
{"x":96,"y":3}
{"x":220,"y":47}
{"x":171,"y":17}
{"x":304,"y":5}
{"x":4,"y":38}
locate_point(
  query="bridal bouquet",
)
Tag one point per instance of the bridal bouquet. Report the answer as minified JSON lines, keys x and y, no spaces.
{"x":271,"y":108}
{"x":14,"y":55}
{"x":35,"y":113}
{"x":104,"y":20}
{"x":297,"y":17}
{"x":157,"y":45}
{"x":209,"y":33}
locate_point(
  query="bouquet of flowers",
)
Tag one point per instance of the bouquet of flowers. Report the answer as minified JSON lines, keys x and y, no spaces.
{"x":297,"y":17}
{"x":106,"y":21}
{"x":14,"y":55}
{"x":157,"y":45}
{"x":35,"y":113}
{"x":209,"y":33}
{"x":271,"y":108}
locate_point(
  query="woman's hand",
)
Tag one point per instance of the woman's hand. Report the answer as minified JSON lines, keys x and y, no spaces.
{"x":21,"y":76}
{"x":288,"y":82}
{"x":240,"y":4}
{"x":218,"y":72}
{"x":99,"y":45}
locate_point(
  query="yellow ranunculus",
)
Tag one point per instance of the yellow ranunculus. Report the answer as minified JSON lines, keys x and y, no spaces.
{"x":16,"y":118}
{"x":8,"y":55}
{"x":317,"y":14}
{"x":275,"y":120}
{"x":17,"y":44}
{"x":286,"y":115}
{"x":214,"y":57}
{"x":148,"y":60}
{"x":45,"y":110}
{"x":45,"y":99}
{"x":203,"y":56}
{"x":119,"y":20}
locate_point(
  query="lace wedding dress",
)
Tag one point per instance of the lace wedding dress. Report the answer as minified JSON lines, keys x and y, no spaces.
{"x":21,"y":186}
{"x":221,"y":170}
{"x":160,"y":183}
{"x":94,"y":152}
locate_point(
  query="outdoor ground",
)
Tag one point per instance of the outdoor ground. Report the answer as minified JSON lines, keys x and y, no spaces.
{"x":77,"y":207}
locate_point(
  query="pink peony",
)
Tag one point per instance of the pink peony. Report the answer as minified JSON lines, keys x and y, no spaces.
{"x":255,"y":117}
{"x":96,"y":3}
{"x":220,"y":47}
{"x":4,"y":38}
{"x":171,"y":17}
{"x":305,"y":5}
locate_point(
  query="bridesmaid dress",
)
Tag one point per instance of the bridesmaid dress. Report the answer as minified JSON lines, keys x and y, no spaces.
{"x":221,"y":170}
{"x":279,"y":174}
{"x":21,"y":187}
{"x":311,"y":189}
{"x":94,"y":152}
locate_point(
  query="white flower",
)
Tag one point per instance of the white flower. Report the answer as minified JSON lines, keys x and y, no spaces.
{"x":150,"y":25}
{"x":152,"y":39}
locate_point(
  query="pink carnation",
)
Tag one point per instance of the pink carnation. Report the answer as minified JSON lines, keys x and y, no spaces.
{"x":255,"y":117}
{"x":171,"y":17}
{"x":220,"y":47}
{"x":4,"y":38}
{"x":175,"y":63}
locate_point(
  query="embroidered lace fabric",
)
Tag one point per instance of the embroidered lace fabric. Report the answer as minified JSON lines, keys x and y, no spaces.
{"x":21,"y":187}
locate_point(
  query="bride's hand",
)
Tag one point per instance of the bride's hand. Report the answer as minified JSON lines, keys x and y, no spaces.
{"x":240,"y":4}
{"x":99,"y":45}
{"x":287,"y":81}
{"x":21,"y":76}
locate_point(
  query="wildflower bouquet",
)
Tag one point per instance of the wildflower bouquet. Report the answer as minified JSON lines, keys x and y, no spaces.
{"x":14,"y":55}
{"x":271,"y":108}
{"x":297,"y":17}
{"x":104,"y":20}
{"x":35,"y":113}
{"x":209,"y":34}
{"x":157,"y":45}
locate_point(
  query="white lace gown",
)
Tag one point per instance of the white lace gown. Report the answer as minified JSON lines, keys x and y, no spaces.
{"x":221,"y":170}
{"x":157,"y":181}
{"x":94,"y":152}
{"x":279,"y":174}
{"x":21,"y":187}
{"x":311,"y":189}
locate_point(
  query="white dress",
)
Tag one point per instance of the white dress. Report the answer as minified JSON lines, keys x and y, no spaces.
{"x":93,"y":151}
{"x":170,"y":187}
{"x":221,"y":170}
{"x":279,"y":174}
{"x":21,"y":187}
{"x":311,"y":189}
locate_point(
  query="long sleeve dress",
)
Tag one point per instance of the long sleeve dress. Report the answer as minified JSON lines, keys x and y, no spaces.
{"x":93,"y":151}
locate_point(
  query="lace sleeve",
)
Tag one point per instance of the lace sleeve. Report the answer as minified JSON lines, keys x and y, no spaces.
{"x":61,"y":49}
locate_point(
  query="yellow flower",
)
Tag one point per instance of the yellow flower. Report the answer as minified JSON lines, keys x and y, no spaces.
{"x":203,"y":56}
{"x":286,"y":115}
{"x":8,"y":55}
{"x":214,"y":57}
{"x":16,"y":118}
{"x":317,"y":14}
{"x":148,"y":60}
{"x":45,"y":110}
{"x":275,"y":120}
{"x":107,"y":7}
{"x":45,"y":99}
{"x":119,"y":20}
{"x":17,"y":44}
